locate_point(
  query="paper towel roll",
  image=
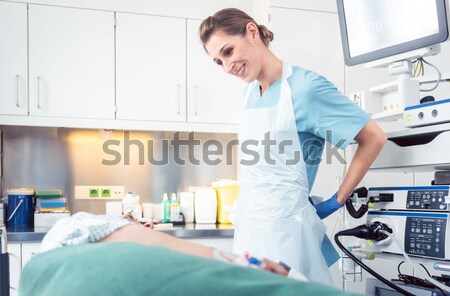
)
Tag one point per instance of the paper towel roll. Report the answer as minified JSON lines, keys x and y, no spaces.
{"x":187,"y":206}
{"x":157,"y":212}
{"x":147,"y":209}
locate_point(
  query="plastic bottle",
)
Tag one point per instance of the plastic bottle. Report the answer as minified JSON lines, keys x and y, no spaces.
{"x":131,"y":205}
{"x":3,"y":238}
{"x":165,"y":206}
{"x":174,"y":208}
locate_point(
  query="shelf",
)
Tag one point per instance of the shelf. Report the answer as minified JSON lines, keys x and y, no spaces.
{"x":385,"y":87}
{"x":415,"y":150}
{"x":390,"y":115}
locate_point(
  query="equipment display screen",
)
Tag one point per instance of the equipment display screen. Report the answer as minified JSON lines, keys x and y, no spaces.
{"x":372,"y":30}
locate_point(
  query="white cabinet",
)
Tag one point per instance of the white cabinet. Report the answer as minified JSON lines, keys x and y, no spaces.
{"x":151,"y":67}
{"x":13,"y":59}
{"x":71,"y":62}
{"x":309,"y":39}
{"x":318,"y":5}
{"x":213,"y":95}
{"x":165,"y":75}
{"x":74,"y":67}
{"x":28,"y":251}
{"x":19,"y":255}
{"x":15,"y":267}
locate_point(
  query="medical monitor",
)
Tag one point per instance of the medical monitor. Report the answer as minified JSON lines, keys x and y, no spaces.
{"x":376,"y":29}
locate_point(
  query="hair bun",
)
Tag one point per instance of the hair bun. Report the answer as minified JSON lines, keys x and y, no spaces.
{"x":266,"y":34}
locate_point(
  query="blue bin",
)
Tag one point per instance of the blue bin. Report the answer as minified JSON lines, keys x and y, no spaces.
{"x":21,"y":205}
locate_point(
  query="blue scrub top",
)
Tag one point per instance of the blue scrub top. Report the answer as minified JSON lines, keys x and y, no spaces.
{"x":321,"y":113}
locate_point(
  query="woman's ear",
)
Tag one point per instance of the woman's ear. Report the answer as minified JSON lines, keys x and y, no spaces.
{"x":252,"y":31}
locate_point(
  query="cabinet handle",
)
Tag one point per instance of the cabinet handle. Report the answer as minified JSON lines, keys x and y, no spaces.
{"x":179,"y":99}
{"x":17,"y":90}
{"x":196,"y":99}
{"x":38,"y":93}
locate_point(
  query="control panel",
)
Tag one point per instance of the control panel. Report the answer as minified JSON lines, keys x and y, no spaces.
{"x":417,"y":198}
{"x":430,"y":113}
{"x":428,"y":199}
{"x":419,"y":233}
{"x":425,"y":236}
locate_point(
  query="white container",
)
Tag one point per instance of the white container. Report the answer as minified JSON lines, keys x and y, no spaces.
{"x":2,"y":211}
{"x":187,"y":206}
{"x":113,"y":208}
{"x":131,"y":204}
{"x":147,"y":210}
{"x":205,"y":205}
{"x":157,"y":212}
{"x":48,"y":219}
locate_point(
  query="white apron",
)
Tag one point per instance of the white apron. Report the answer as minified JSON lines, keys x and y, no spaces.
{"x":274,"y":218}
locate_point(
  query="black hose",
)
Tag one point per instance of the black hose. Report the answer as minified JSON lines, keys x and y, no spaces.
{"x":362,"y":192}
{"x":367,"y":268}
{"x":353,"y":212}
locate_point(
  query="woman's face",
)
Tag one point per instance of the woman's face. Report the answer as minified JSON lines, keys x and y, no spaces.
{"x":237,"y":55}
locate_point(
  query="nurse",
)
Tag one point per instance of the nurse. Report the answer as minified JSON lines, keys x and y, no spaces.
{"x":289,"y":113}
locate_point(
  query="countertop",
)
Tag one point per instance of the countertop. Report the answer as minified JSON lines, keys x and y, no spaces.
{"x":190,"y":230}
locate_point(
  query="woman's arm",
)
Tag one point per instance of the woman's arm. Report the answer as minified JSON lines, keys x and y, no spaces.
{"x":371,"y":140}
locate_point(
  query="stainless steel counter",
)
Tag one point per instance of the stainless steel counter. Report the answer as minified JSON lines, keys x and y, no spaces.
{"x":28,"y":236}
{"x":190,"y":230}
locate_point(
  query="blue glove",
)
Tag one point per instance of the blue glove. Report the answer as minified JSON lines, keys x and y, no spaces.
{"x":328,"y":207}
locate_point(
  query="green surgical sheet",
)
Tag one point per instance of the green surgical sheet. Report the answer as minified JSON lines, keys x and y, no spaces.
{"x":128,"y":269}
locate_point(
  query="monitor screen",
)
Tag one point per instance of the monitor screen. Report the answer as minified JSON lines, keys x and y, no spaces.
{"x":375,"y":29}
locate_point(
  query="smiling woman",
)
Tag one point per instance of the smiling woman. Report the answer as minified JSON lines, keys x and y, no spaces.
{"x":233,"y":33}
{"x":286,"y":104}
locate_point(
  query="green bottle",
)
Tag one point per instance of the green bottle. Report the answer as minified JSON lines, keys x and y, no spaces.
{"x":165,"y":205}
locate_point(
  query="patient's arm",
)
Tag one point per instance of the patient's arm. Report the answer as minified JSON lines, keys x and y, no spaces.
{"x":139,"y":234}
{"x":147,"y":236}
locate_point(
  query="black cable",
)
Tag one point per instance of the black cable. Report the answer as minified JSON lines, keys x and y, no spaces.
{"x":353,"y":212}
{"x":409,"y":279}
{"x":362,"y":192}
{"x":368,"y":269}
{"x":425,"y":269}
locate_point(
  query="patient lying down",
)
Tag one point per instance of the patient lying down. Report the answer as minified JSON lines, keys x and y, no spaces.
{"x":83,"y":228}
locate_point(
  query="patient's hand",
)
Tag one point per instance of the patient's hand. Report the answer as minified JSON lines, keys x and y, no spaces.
{"x":248,"y":261}
{"x":274,"y":267}
{"x":149,"y":224}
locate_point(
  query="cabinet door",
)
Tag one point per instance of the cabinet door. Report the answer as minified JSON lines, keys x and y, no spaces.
{"x":28,"y":251}
{"x":309,"y":39}
{"x":71,"y":62}
{"x":151,"y":67}
{"x":15,"y":267}
{"x":13,"y":59}
{"x":213,"y":95}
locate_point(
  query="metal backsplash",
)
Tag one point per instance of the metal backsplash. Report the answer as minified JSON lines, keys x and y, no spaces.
{"x":49,"y":158}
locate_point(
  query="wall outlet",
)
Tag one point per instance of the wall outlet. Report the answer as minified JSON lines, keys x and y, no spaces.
{"x":93,"y":192}
{"x":99,"y":192}
{"x":356,"y":97}
{"x":368,"y":101}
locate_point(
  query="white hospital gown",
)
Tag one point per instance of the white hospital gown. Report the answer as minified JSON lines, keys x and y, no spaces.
{"x":81,"y":228}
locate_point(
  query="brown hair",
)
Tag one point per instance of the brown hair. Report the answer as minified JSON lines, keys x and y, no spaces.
{"x":231,"y":21}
